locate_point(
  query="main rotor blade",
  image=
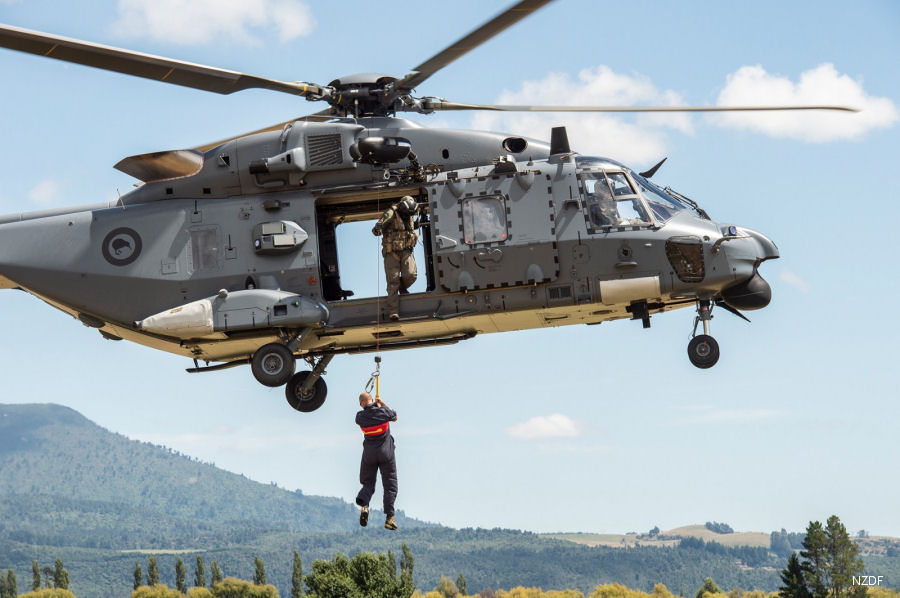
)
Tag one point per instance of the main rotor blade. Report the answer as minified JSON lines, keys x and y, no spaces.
{"x":317,"y":117}
{"x":167,"y":70}
{"x":509,"y":17}
{"x":437,"y":104}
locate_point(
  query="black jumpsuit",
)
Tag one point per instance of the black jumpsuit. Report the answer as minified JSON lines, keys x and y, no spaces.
{"x":378,"y":454}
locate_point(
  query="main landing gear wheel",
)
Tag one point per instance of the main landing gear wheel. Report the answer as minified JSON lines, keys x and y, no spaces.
{"x":305,"y":401}
{"x":273,"y":364}
{"x":703,"y":351}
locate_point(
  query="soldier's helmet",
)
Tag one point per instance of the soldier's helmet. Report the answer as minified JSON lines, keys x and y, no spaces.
{"x":407,"y":207}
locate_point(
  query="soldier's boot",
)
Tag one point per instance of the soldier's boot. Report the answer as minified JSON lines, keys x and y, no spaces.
{"x":364,"y":516}
{"x":394,"y":317}
{"x":389,"y":523}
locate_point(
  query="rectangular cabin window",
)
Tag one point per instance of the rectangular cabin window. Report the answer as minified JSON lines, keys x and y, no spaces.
{"x":205,"y":248}
{"x":484,"y":219}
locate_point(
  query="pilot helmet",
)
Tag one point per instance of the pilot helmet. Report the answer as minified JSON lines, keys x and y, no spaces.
{"x":407,"y":206}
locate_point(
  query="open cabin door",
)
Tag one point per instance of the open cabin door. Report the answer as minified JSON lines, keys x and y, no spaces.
{"x":493,"y":231}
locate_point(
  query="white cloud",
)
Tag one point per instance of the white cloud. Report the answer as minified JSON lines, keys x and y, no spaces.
{"x":549,"y":426}
{"x":795,"y":280}
{"x":638,"y":139}
{"x":204,"y":21}
{"x":823,"y":85}
{"x":45,"y":193}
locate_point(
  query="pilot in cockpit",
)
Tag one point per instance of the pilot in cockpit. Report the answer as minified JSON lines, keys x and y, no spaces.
{"x":602,"y":209}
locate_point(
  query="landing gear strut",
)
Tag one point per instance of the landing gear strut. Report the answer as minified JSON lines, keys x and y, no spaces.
{"x":703,"y":350}
{"x":306,"y":391}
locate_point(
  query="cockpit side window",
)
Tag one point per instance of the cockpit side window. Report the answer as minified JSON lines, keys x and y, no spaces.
{"x":611,"y":201}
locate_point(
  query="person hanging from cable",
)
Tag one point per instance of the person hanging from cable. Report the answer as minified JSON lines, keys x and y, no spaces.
{"x":398,"y":239}
{"x":375,"y":419}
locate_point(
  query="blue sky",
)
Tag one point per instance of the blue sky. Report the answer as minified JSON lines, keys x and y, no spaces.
{"x":602,"y":429}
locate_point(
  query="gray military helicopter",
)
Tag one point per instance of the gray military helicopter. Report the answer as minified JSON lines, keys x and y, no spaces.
{"x":227,"y":253}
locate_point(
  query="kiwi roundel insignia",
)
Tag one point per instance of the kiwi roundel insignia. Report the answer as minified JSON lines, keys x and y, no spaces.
{"x":121,"y":246}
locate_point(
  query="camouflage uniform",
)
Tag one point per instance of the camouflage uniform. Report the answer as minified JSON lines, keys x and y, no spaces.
{"x":397,"y":243}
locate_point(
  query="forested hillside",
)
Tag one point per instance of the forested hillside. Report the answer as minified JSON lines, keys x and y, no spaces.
{"x":70,"y":482}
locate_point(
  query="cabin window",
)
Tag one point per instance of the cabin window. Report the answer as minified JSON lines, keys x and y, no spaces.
{"x":484,"y":220}
{"x":204,"y":248}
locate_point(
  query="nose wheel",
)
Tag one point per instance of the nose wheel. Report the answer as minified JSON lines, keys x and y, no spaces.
{"x":703,"y":350}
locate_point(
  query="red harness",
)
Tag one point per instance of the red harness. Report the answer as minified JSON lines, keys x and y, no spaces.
{"x":377,"y":430}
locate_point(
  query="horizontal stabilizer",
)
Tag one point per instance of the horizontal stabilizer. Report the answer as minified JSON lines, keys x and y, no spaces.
{"x":159,"y":166}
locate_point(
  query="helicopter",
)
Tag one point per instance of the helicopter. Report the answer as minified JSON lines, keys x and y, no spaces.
{"x":227,"y":253}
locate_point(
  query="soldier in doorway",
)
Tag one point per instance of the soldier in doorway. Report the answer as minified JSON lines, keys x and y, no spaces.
{"x":398,"y":239}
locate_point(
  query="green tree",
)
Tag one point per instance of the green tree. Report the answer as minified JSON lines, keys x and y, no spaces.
{"x":215,"y":574}
{"x":180,"y":574}
{"x":794,"y":580}
{"x":814,"y":559}
{"x":709,"y":586}
{"x":138,"y":575}
{"x":297,"y":577}
{"x":843,"y":560}
{"x":447,"y":588}
{"x":199,"y":573}
{"x":259,"y":578}
{"x":35,"y":576}
{"x":11,"y":584}
{"x":152,"y":572}
{"x":4,"y":589}
{"x":366,"y":575}
{"x":60,"y":575}
{"x":461,"y":585}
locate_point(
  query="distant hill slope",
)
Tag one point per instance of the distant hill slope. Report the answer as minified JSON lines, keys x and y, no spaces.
{"x":71,"y":482}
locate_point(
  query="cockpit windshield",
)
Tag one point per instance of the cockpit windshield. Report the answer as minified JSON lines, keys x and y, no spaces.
{"x":663,"y":205}
{"x":612,"y":200}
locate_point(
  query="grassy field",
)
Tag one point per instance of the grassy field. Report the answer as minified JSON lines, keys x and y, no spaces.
{"x":687,"y":531}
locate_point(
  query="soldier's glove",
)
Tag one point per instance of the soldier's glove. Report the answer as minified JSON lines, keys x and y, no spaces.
{"x":376,"y":230}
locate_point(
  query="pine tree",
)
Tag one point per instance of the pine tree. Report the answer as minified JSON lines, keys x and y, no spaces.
{"x":4,"y":590}
{"x":794,"y":580}
{"x":830,"y":559}
{"x":180,"y":585}
{"x":461,"y":585}
{"x":11,"y":583}
{"x":35,"y":576}
{"x":152,"y":572}
{"x":259,"y":578}
{"x":138,"y":575}
{"x":60,"y":576}
{"x":297,"y":577}
{"x":199,"y":574}
{"x":215,"y":574}
{"x":814,"y":559}
{"x":843,"y":560}
{"x":709,"y":586}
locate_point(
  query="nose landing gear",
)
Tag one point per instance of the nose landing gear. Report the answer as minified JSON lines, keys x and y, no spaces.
{"x":703,"y":350}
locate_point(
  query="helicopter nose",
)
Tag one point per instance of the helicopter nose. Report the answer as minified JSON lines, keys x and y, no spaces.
{"x":745,"y":255}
